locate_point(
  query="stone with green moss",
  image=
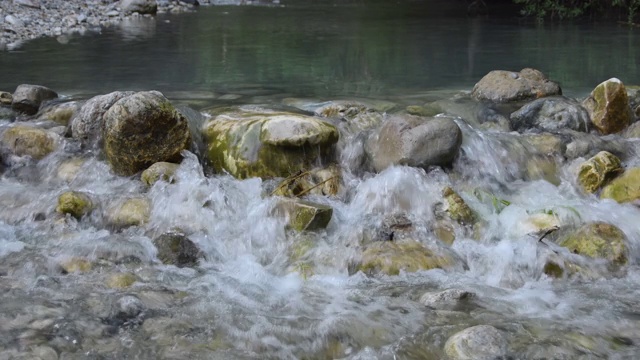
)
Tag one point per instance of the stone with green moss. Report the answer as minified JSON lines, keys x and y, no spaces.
{"x":481,"y":342}
{"x":25,"y":140}
{"x":121,"y":280}
{"x":160,"y":171}
{"x":177,"y":249}
{"x":457,"y":208}
{"x":598,"y":240}
{"x":253,"y":142}
{"x":596,"y":172}
{"x":142,"y":129}
{"x":389,"y":258}
{"x":74,"y":203}
{"x":624,"y":188}
{"x":130,"y":212}
{"x":426,"y":111}
{"x":608,"y":107}
{"x":305,"y":215}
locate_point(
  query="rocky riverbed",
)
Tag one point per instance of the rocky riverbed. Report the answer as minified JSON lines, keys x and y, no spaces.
{"x":23,"y":20}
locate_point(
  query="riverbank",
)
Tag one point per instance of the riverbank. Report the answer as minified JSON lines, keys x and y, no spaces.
{"x":24,"y":20}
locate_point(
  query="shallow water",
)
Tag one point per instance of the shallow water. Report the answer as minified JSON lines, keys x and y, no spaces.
{"x":262,"y":291}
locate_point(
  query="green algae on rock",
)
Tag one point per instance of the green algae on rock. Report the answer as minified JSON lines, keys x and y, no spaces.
{"x":598,"y":240}
{"x":624,"y":188}
{"x":74,"y":203}
{"x":457,"y":208}
{"x":608,"y":106}
{"x":251,"y":142}
{"x":598,"y":171}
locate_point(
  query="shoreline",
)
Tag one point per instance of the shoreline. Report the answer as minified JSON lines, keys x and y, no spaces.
{"x":25,"y":20}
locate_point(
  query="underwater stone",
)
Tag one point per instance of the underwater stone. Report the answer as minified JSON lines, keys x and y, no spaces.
{"x":608,"y":106}
{"x":121,"y":280}
{"x":159,"y":171}
{"x":596,"y":172}
{"x":130,"y":212}
{"x":61,"y":113}
{"x":445,"y":300}
{"x":482,"y":342}
{"x":177,"y":249}
{"x":74,"y":203}
{"x":305,"y":215}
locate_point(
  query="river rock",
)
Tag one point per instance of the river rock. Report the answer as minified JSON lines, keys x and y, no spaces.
{"x":501,"y":86}
{"x":24,"y":140}
{"x":457,"y":208}
{"x":69,"y":169}
{"x":596,"y":172}
{"x":304,"y":215}
{"x":546,"y":143}
{"x":28,"y":98}
{"x":142,"y":129}
{"x":139,"y":6}
{"x":6,"y":98}
{"x":389,"y":258}
{"x":75,"y":265}
{"x":254,"y":142}
{"x":624,"y":188}
{"x":551,"y":114}
{"x":587,"y":145}
{"x":159,"y":171}
{"x":445,"y":300}
{"x":28,"y":3}
{"x":319,"y":181}
{"x":177,"y":249}
{"x":121,"y":280}
{"x":74,"y":203}
{"x":86,"y":124}
{"x":414,"y":141}
{"x":130,"y":212}
{"x":481,"y":342}
{"x":598,"y":240}
{"x":60,"y":113}
{"x":633,"y":131}
{"x":608,"y":106}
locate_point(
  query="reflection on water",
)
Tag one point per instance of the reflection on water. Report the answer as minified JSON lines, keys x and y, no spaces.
{"x":372,"y":49}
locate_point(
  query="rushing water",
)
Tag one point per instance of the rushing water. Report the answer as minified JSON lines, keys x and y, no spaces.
{"x":249,"y":298}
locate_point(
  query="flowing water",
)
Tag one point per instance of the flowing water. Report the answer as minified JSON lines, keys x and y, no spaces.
{"x":259,"y":293}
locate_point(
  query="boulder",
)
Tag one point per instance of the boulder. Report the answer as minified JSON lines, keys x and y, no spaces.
{"x":86,"y":124}
{"x":587,"y":145}
{"x":28,"y":98}
{"x":598,"y":240}
{"x":481,"y":342}
{"x":501,"y":86}
{"x":445,"y":300}
{"x":5,"y":98}
{"x":305,"y":215}
{"x":457,"y":208}
{"x":130,"y":212}
{"x":389,"y":258}
{"x":74,"y":203}
{"x":159,"y":171}
{"x":624,"y":188}
{"x":176,"y":249}
{"x":414,"y":141}
{"x":60,"y":113}
{"x":253,"y":142}
{"x":596,"y":172}
{"x":24,"y":140}
{"x":551,"y":114}
{"x":142,"y":129}
{"x":139,"y":6}
{"x":608,"y":107}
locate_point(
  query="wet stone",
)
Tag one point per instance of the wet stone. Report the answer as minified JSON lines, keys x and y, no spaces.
{"x":177,"y":249}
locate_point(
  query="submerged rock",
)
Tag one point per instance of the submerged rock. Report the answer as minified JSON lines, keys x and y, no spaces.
{"x":130,"y":212}
{"x":624,"y":188}
{"x":121,"y":280}
{"x":506,"y":86}
{"x":159,"y":171}
{"x":24,"y":140}
{"x":69,"y":169}
{"x":414,"y":141}
{"x":142,"y":129}
{"x":598,"y":240}
{"x":74,"y":203}
{"x":28,"y":98}
{"x":318,"y":181}
{"x":633,"y":131}
{"x":75,"y":265}
{"x":481,"y":342}
{"x":608,"y":106}
{"x":61,"y":113}
{"x":305,"y":215}
{"x":445,"y":300}
{"x":177,"y":249}
{"x":389,"y":258}
{"x":551,"y":114}
{"x":598,"y":171}
{"x":254,"y":142}
{"x":86,"y":124}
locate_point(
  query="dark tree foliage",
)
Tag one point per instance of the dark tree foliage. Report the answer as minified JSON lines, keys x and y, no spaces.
{"x":569,"y":9}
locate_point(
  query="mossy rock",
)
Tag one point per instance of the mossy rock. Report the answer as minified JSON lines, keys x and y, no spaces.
{"x":121,"y":280}
{"x":75,"y":265}
{"x":260,"y":143}
{"x":389,"y":258}
{"x":608,"y":107}
{"x":598,"y":171}
{"x":457,"y":208}
{"x":130,"y":212}
{"x":305,"y":215}
{"x":624,"y":188}
{"x":177,"y":249}
{"x":481,"y":342}
{"x":426,"y":111}
{"x":598,"y":240}
{"x":74,"y":203}
{"x":159,"y":171}
{"x":24,"y":140}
